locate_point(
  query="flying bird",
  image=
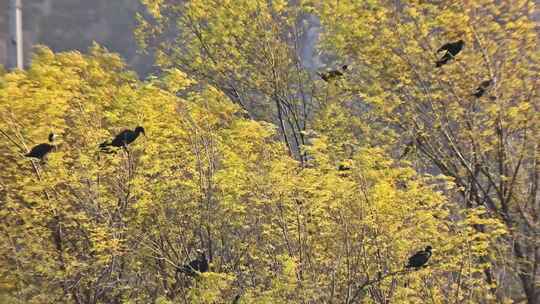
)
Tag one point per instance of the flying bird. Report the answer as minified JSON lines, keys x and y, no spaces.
{"x":123,"y":139}
{"x":482,"y":88}
{"x":420,"y":258}
{"x":41,"y":150}
{"x":327,"y":76}
{"x":452,"y":49}
{"x":199,"y":265}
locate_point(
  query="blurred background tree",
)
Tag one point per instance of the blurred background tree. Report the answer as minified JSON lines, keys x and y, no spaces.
{"x":75,"y":25}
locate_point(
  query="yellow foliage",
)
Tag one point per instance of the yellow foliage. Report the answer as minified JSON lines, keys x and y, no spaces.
{"x":312,"y":209}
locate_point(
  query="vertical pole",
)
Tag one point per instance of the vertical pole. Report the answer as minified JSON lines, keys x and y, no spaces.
{"x":15,"y":43}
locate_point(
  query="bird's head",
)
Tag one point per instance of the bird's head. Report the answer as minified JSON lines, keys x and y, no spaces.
{"x":428,"y":248}
{"x":52,"y":137}
{"x":345,"y":67}
{"x":140,"y":129}
{"x":460,"y":41}
{"x":200,"y":253}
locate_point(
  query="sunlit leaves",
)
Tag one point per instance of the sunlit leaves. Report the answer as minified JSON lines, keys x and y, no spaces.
{"x":477,"y":141}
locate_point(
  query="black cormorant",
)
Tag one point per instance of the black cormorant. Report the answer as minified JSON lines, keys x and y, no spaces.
{"x":41,"y":150}
{"x":344,"y":167}
{"x":420,"y":258}
{"x":327,"y":76}
{"x":199,"y":265}
{"x":452,"y":49}
{"x":484,"y":85}
{"x":123,"y":139}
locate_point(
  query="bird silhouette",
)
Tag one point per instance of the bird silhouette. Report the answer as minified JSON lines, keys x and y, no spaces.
{"x":482,"y":88}
{"x":420,"y":258}
{"x":236,"y":299}
{"x":123,"y":139}
{"x":41,"y":150}
{"x":452,"y":49}
{"x":344,"y":167}
{"x":327,"y":76}
{"x":194,"y":267}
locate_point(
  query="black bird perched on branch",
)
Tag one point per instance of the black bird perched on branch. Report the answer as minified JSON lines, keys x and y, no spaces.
{"x":484,"y":85}
{"x":452,"y":49}
{"x":123,"y":139}
{"x":420,"y":258}
{"x":344,"y":167}
{"x":199,"y":265}
{"x":41,"y":150}
{"x":327,"y":76}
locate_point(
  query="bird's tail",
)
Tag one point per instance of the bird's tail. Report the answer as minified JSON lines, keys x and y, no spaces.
{"x":104,"y":146}
{"x":478,"y":93}
{"x":444,"y":59}
{"x":186,"y":270}
{"x":183,"y":269}
{"x":323,"y":76}
{"x":30,"y":155}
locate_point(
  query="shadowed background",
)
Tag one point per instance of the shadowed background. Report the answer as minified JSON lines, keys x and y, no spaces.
{"x":74,"y":24}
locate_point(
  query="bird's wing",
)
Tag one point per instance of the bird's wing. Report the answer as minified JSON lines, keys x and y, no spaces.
{"x":204,"y":266}
{"x":187,"y":269}
{"x":416,"y":256}
{"x":104,"y":144}
{"x":35,"y":149}
{"x":42,"y":148}
{"x":411,"y":259}
{"x":194,"y":265}
{"x":120,"y":138}
{"x":443,"y":48}
{"x":130,"y":137}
